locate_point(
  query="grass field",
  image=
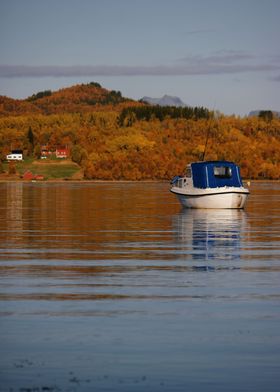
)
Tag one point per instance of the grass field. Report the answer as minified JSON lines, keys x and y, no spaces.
{"x":50,"y":169}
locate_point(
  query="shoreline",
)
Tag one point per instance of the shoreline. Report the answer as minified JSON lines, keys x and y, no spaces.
{"x":80,"y":181}
{"x":61,"y":180}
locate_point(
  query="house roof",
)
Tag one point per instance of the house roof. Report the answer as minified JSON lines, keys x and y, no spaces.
{"x":17,"y":152}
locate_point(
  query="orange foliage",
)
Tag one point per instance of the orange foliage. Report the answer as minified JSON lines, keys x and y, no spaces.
{"x":151,"y":149}
{"x":76,"y":99}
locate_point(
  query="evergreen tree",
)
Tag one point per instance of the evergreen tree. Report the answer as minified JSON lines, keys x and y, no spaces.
{"x":30,"y":137}
{"x":266,"y":115}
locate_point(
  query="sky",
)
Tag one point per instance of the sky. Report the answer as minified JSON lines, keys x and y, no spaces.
{"x":220,"y":54}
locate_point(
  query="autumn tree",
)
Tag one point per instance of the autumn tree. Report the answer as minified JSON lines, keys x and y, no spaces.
{"x":37,"y":151}
{"x":78,"y":154}
{"x":12,"y":168}
{"x":1,"y":167}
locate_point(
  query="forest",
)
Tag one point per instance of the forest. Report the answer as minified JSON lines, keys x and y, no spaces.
{"x":114,"y":138}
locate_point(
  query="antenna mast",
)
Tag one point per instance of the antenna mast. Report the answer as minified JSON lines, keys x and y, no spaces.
{"x":206,"y":142}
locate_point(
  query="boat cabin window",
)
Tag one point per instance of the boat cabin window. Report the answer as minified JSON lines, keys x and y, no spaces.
{"x":222,"y":172}
{"x":188,"y":172}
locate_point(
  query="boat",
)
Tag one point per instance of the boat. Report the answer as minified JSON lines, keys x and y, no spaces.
{"x":210,"y":184}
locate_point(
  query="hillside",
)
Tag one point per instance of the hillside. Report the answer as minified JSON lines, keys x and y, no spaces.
{"x":113,"y":138}
{"x":76,"y":99}
{"x":17,"y":107}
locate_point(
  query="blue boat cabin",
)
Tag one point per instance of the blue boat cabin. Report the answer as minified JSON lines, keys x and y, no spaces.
{"x":215,"y":174}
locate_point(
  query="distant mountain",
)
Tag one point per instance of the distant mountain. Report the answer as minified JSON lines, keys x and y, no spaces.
{"x":257,"y":112}
{"x":166,"y":100}
{"x":254,"y":113}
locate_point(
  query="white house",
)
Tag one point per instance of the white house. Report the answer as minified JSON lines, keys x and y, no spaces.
{"x":16,"y":155}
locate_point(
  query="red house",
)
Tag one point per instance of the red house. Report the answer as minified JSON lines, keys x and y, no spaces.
{"x":62,"y":152}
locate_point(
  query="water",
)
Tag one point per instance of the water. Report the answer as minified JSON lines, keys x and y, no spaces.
{"x":112,"y":287}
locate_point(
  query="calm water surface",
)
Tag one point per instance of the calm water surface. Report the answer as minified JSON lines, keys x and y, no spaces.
{"x":112,"y":287}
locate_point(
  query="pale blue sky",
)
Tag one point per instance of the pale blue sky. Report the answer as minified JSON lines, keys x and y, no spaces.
{"x":222,"y":54}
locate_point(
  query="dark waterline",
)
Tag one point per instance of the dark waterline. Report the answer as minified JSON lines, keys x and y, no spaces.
{"x":113,"y":287}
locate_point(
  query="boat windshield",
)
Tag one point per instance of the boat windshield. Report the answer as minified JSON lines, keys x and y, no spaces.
{"x":188,"y":172}
{"x":222,"y":172}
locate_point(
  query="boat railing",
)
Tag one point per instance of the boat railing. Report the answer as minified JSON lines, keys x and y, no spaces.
{"x":179,"y":182}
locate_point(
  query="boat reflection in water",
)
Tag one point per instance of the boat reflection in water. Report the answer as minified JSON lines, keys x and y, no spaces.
{"x":210,"y":234}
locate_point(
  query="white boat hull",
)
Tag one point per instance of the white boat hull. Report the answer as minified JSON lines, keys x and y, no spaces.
{"x":223,"y":198}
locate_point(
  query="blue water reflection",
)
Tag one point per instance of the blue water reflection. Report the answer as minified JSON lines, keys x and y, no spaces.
{"x":214,"y":235}
{"x":111,"y":287}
